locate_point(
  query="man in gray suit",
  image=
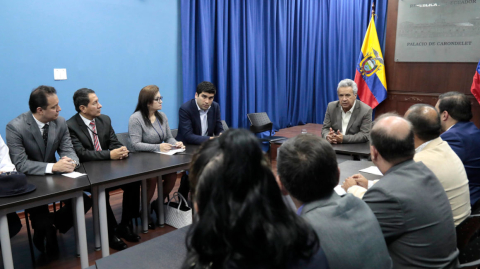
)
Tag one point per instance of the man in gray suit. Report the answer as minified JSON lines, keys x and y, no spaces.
{"x":348,"y":231}
{"x":347,"y":120}
{"x":33,"y":138}
{"x":409,"y":202}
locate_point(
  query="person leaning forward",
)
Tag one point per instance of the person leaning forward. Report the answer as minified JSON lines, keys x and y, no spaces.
{"x":94,"y":139}
{"x":347,"y":120}
{"x":33,"y":138}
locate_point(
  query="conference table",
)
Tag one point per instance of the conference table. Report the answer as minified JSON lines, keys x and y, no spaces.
{"x":360,"y":150}
{"x":349,"y":168}
{"x":166,"y":251}
{"x":139,"y":166}
{"x":50,"y":189}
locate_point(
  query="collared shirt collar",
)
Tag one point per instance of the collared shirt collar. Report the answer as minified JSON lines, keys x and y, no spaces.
{"x":199,"y":109}
{"x":422,"y":146}
{"x":85,"y":120}
{"x":449,"y":128}
{"x":39,"y":123}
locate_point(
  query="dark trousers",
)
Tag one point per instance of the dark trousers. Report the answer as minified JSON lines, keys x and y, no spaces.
{"x":41,"y":218}
{"x":14,"y":224}
{"x":130,"y":205}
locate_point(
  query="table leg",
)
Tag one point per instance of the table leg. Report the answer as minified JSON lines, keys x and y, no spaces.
{"x":75,"y":226}
{"x":102,"y":212}
{"x":81,"y":231}
{"x":161,"y":218}
{"x":5,"y":241}
{"x":144,"y":207}
{"x":96,"y":222}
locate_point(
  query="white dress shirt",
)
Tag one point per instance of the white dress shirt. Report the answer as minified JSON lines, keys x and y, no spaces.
{"x":90,"y":129}
{"x":6,"y":164}
{"x":40,"y":124}
{"x":203,"y":119}
{"x":346,"y":118}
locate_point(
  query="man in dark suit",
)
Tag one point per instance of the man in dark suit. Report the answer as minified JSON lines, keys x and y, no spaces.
{"x":462,"y":135}
{"x":347,"y":120}
{"x":33,"y":138}
{"x":200,"y":117}
{"x":94,"y":139}
{"x":348,"y":231}
{"x":409,"y":202}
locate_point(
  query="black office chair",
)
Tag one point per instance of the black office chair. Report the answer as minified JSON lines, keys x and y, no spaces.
{"x":260,"y":122}
{"x":225,"y":126}
{"x":468,"y":242}
{"x":174,"y":132}
{"x":124,"y":138}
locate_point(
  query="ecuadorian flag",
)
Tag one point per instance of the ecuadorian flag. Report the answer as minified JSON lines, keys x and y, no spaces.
{"x":370,"y":71}
{"x":476,"y":84}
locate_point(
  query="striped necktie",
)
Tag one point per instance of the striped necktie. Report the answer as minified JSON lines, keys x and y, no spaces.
{"x":95,"y":137}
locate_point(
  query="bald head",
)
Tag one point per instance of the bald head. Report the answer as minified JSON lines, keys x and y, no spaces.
{"x":425,"y":121}
{"x":392,"y":136}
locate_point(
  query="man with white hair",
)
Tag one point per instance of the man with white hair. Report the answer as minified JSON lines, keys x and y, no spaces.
{"x":347,"y":120}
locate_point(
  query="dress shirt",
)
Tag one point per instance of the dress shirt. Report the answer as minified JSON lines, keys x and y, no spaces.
{"x":6,"y":164}
{"x":49,"y":168}
{"x":89,"y":127}
{"x":203,"y":119}
{"x":422,"y":146}
{"x":346,"y":118}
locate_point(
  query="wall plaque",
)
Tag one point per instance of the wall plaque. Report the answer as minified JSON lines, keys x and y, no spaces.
{"x":438,"y":31}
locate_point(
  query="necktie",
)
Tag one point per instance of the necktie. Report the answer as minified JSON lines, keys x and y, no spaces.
{"x":95,"y":137}
{"x":45,"y":134}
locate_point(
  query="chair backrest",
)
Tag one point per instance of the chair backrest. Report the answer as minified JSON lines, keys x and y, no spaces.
{"x":174,"y":132}
{"x":124,"y":138}
{"x":225,"y":126}
{"x":468,"y":241}
{"x":260,"y":122}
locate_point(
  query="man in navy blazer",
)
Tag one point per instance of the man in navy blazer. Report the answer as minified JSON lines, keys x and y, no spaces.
{"x":200,"y":117}
{"x":462,"y":135}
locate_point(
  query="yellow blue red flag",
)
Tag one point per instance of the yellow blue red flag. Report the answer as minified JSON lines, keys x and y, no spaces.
{"x":370,"y":70}
{"x":476,"y":84}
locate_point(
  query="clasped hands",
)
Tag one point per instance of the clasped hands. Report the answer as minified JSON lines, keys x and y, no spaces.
{"x":334,"y":138}
{"x":64,"y":165}
{"x":119,"y":153}
{"x":356,"y":179}
{"x":165,"y":147}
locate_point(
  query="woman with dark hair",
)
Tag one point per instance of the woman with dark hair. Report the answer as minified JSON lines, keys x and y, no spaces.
{"x":241,"y":220}
{"x":149,"y":131}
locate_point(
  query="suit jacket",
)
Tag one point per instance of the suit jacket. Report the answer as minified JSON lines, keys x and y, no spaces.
{"x":190,"y":127}
{"x":415,"y":216}
{"x":82,"y":141}
{"x":349,"y":232}
{"x":359,"y":126}
{"x":27,"y":149}
{"x":463,"y":138}
{"x":445,"y":164}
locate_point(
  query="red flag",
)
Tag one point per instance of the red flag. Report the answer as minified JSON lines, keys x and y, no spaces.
{"x":476,"y":84}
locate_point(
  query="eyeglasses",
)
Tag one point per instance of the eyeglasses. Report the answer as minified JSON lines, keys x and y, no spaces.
{"x":158,"y":99}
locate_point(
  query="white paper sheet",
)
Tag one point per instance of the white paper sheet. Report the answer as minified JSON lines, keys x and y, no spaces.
{"x":339,"y":190}
{"x":74,"y":174}
{"x":171,"y":152}
{"x":372,"y":170}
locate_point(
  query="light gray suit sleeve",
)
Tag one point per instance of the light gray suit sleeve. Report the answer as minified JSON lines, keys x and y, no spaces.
{"x":364,"y":134}
{"x":135,"y":131}
{"x":65,"y":147}
{"x":19,"y":156}
{"x":327,"y":123}
{"x":388,"y":211}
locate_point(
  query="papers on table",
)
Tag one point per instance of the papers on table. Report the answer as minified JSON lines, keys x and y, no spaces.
{"x":372,"y":170}
{"x":74,"y":174}
{"x":339,"y":190}
{"x":171,"y":152}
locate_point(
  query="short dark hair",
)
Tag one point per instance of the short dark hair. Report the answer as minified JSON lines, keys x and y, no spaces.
{"x":307,"y":166}
{"x":38,"y":97}
{"x":392,"y":148}
{"x":457,"y":105}
{"x":81,"y":98}
{"x":424,"y":127}
{"x":207,"y":87}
